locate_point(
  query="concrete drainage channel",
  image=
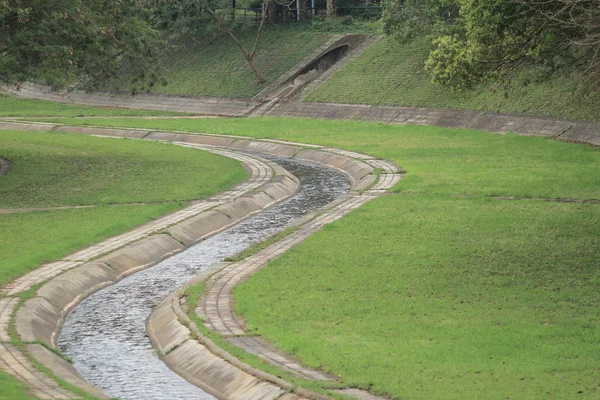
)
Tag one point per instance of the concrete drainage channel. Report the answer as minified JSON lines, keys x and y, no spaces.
{"x":70,"y":281}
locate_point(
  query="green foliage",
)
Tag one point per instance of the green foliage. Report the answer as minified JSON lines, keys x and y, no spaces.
{"x":410,"y":19}
{"x":77,"y":42}
{"x":494,"y":39}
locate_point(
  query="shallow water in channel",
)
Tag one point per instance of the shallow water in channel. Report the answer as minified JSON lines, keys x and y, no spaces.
{"x":105,"y":335}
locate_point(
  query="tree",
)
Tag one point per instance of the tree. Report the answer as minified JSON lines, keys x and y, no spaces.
{"x":87,"y":43}
{"x":227,"y":25}
{"x":475,"y":40}
{"x":194,"y":18}
{"x":331,"y":8}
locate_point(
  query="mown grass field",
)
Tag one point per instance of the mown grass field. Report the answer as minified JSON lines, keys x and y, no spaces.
{"x":126,"y":183}
{"x":217,"y":68}
{"x":393,"y":73}
{"x":11,"y":106}
{"x":440,"y":290}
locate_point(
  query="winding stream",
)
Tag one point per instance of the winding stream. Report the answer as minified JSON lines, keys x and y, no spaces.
{"x":105,"y":335}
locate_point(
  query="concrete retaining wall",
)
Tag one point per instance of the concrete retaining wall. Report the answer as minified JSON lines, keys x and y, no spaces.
{"x":522,"y":124}
{"x":144,"y":101}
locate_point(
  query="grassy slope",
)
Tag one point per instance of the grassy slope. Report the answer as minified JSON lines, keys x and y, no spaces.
{"x":57,"y":169}
{"x":220,"y":70}
{"x":17,"y":107}
{"x":393,"y":73}
{"x":454,"y":294}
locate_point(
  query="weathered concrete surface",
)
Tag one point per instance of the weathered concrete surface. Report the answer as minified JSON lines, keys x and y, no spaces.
{"x":144,"y":101}
{"x":355,"y":169}
{"x":39,"y":320}
{"x":267,"y":148}
{"x":198,"y":360}
{"x":357,"y":394}
{"x":7,"y":305}
{"x":198,"y":228}
{"x":142,"y":254}
{"x":69,"y":289}
{"x":18,"y":126}
{"x":583,"y":133}
{"x":165,"y":329}
{"x":201,"y":367}
{"x":125,"y":133}
{"x":239,"y":209}
{"x":40,"y":386}
{"x":62,"y":368}
{"x":197,"y":139}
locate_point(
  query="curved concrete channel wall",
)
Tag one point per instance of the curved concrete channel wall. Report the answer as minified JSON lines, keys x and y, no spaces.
{"x":38,"y":320}
{"x":191,"y":354}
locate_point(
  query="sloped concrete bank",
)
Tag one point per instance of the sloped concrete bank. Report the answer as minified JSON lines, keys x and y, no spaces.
{"x":156,"y":102}
{"x":521,"y":124}
{"x":191,"y":354}
{"x":66,"y":283}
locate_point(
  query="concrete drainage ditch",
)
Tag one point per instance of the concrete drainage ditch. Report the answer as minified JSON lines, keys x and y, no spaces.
{"x":70,"y":281}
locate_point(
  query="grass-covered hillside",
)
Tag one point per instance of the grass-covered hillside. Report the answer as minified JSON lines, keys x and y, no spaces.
{"x":393,"y":73}
{"x":216,"y":67}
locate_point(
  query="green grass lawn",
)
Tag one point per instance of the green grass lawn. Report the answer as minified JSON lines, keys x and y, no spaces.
{"x":17,"y":107}
{"x":393,"y":73}
{"x":439,"y":290}
{"x":217,"y":68}
{"x":59,"y":169}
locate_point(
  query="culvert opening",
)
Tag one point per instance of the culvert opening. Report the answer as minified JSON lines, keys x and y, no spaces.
{"x":319,"y":66}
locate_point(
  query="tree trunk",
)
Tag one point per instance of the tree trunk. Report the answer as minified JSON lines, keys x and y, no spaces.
{"x":271,"y":10}
{"x":259,"y":76}
{"x":302,"y":10}
{"x":331,"y":8}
